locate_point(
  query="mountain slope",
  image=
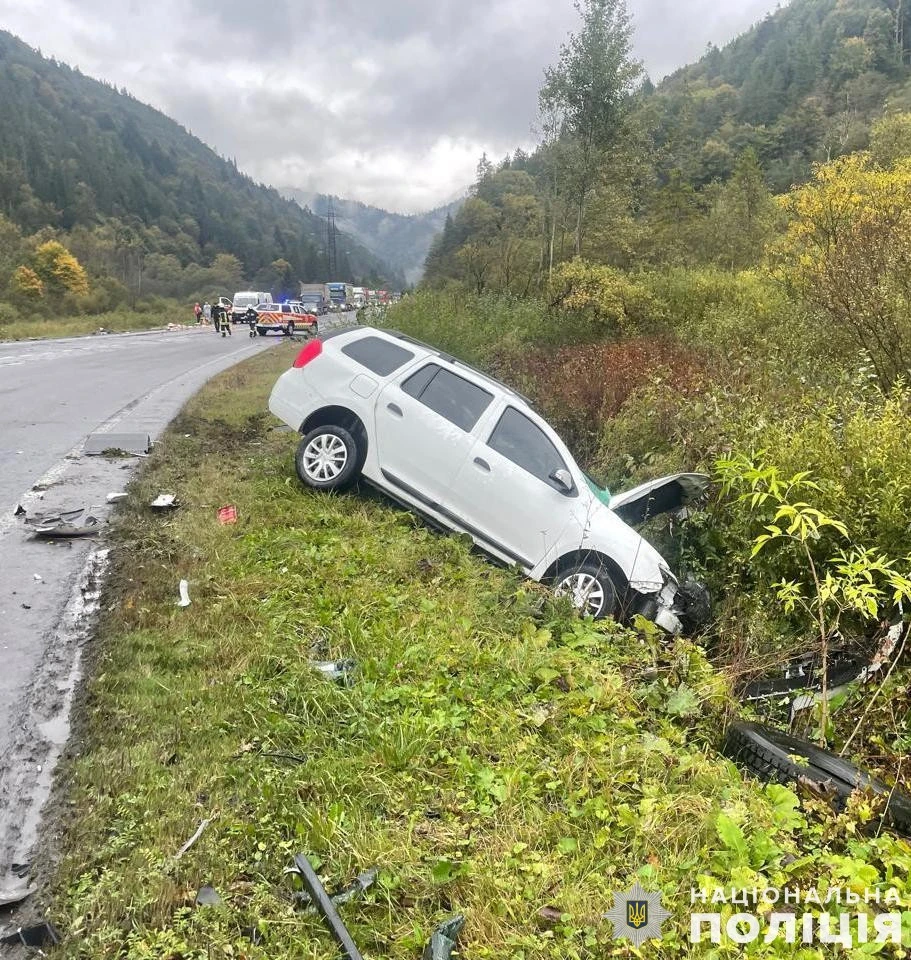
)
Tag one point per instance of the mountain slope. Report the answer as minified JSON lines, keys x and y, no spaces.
{"x":803,"y":85}
{"x":400,"y":240}
{"x":75,"y":152}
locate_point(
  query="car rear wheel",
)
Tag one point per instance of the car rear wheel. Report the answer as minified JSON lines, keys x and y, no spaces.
{"x":328,"y":459}
{"x":591,"y":589}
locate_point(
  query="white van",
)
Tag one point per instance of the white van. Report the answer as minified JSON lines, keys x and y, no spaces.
{"x":244,"y":299}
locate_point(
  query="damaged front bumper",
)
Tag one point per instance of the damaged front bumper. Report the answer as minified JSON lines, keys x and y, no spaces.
{"x":676,"y":608}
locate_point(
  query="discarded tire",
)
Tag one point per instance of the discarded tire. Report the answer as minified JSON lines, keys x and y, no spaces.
{"x":770,"y":754}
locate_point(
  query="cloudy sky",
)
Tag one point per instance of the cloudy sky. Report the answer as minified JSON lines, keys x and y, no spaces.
{"x":386,"y":101}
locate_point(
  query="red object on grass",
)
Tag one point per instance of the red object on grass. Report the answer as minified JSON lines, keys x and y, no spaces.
{"x":227,"y":515}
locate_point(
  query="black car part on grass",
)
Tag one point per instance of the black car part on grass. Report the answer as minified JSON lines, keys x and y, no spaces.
{"x":443,"y":939}
{"x":41,"y":935}
{"x":804,"y":673}
{"x":323,"y":903}
{"x":771,"y":754}
{"x":356,"y":889}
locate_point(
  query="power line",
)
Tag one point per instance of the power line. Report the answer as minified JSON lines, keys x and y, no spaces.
{"x":331,"y":240}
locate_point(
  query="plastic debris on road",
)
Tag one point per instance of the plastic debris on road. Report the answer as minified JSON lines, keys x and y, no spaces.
{"x":116,"y":497}
{"x":443,"y":940}
{"x":227,"y":515}
{"x":165,"y":501}
{"x":184,"y":589}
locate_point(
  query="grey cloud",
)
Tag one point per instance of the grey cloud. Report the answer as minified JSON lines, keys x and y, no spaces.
{"x":390,"y":102}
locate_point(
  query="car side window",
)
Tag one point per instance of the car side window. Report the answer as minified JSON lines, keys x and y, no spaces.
{"x":377,"y":355}
{"x":454,"y":398}
{"x":524,"y":443}
{"x":415,"y":385}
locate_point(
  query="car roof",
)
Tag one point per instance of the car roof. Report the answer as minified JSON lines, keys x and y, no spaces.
{"x":448,"y":357}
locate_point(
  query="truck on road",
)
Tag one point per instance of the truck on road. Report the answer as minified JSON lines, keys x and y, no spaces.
{"x":341,"y":296}
{"x":315,"y":296}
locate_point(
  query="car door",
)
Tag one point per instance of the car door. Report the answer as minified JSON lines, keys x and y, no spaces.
{"x":425,"y":425}
{"x":507,"y":490}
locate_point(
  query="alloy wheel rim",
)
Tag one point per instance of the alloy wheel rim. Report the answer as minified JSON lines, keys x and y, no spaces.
{"x":325,"y":457}
{"x":585,"y":591}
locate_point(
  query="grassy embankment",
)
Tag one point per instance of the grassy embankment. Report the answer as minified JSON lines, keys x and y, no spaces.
{"x":118,"y":321}
{"x":494,"y":755}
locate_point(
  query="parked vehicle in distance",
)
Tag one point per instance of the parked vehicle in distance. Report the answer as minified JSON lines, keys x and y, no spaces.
{"x":315,"y":296}
{"x":473,"y":456}
{"x":226,"y":305}
{"x":358,"y":297}
{"x":284,"y":318}
{"x":244,"y":299}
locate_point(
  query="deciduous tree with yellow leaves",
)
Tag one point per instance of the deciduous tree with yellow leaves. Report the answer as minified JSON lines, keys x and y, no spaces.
{"x":59,"y":270}
{"x":847,"y":252}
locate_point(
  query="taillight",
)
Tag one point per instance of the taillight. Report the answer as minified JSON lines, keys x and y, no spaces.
{"x":313,"y":349}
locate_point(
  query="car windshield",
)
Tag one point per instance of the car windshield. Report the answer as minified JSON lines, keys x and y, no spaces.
{"x":598,"y":489}
{"x":245,"y":301}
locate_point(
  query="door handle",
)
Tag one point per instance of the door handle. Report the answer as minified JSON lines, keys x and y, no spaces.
{"x":483,"y":464}
{"x":395,"y":409}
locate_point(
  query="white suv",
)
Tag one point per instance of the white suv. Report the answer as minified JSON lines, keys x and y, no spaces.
{"x":473,"y":456}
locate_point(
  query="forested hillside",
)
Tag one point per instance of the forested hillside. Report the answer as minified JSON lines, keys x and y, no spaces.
{"x":683,"y":173}
{"x":145,"y":207}
{"x":400,"y":240}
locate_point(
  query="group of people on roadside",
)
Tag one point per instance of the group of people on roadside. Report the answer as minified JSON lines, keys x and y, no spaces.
{"x":216,"y":314}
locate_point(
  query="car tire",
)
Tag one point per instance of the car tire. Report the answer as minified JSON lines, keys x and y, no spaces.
{"x":328,"y":458}
{"x":773,"y":755}
{"x":260,"y":331}
{"x":314,"y":330}
{"x":289,"y":330}
{"x":591,"y":589}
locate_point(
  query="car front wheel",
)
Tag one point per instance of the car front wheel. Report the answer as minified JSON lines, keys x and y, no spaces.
{"x":591,"y":590}
{"x":327,"y":459}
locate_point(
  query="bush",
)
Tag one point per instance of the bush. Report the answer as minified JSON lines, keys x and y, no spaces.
{"x":8,"y":314}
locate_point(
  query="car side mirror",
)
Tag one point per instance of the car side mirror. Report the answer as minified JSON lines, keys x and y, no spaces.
{"x":563,"y":479}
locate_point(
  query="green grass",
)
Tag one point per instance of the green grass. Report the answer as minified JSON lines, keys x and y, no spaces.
{"x":118,"y":321}
{"x":494,"y":755}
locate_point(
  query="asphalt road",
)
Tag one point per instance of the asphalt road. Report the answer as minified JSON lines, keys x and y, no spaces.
{"x":53,"y":394}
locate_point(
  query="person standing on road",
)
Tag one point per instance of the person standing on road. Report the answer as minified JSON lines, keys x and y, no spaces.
{"x":207,"y":311}
{"x":197,"y":311}
{"x":225,"y":321}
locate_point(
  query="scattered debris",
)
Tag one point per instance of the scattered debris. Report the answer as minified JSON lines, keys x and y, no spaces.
{"x":63,"y":529}
{"x":184,"y":588}
{"x":165,"y":501}
{"x":20,"y":510}
{"x":227,"y":515}
{"x":20,"y":870}
{"x":254,"y":935}
{"x":207,"y":896}
{"x":25,"y":606}
{"x":354,"y":891}
{"x":443,"y":940}
{"x":342,"y":671}
{"x":38,"y":577}
{"x":14,"y":893}
{"x":550,"y":914}
{"x":116,"y":497}
{"x":61,"y":516}
{"x":41,"y":935}
{"x":117,"y":444}
{"x":323,"y":903}
{"x":192,"y":839}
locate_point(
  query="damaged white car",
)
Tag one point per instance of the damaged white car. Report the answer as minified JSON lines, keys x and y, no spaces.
{"x":472,"y":456}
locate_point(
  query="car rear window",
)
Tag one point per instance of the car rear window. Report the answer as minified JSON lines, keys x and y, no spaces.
{"x":378,"y":355}
{"x":457,"y":400}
